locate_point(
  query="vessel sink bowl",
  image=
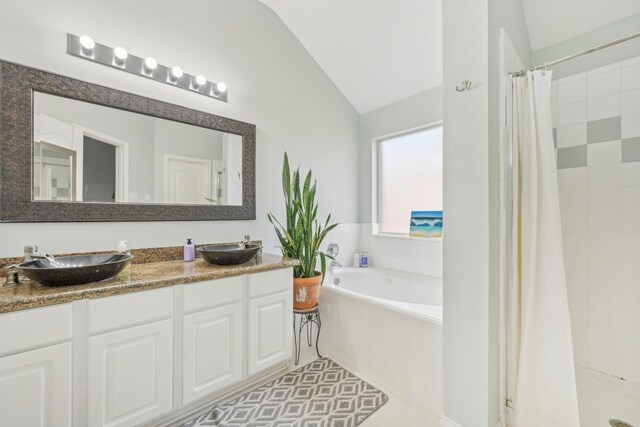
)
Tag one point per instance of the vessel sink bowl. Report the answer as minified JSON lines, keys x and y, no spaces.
{"x":75,"y":270}
{"x":228,"y":254}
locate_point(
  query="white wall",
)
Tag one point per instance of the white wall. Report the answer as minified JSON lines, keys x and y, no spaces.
{"x":610,"y":32}
{"x":472,"y":205}
{"x":422,"y":256}
{"x":466,"y":207}
{"x":418,"y":110}
{"x":272,"y":80}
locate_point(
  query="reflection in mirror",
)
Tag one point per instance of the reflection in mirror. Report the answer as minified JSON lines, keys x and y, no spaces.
{"x":91,"y":153}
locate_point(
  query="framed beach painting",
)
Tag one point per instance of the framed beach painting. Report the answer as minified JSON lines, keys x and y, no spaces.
{"x":426,"y":224}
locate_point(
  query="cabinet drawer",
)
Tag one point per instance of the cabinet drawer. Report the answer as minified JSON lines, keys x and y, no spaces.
{"x":201,"y":295}
{"x":36,"y":327}
{"x":129,"y":309}
{"x":270,"y":282}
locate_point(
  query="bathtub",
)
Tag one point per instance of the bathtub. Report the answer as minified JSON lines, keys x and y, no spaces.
{"x":386,"y":326}
{"x":411,"y":294}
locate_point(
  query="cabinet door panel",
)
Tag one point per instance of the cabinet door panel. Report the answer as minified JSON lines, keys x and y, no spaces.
{"x":130,"y":374}
{"x":212,"y":350}
{"x":35,"y":387}
{"x":269,"y":331}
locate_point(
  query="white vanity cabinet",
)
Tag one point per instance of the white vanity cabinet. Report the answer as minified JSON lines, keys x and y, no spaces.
{"x":144,"y":357}
{"x":270,"y":319}
{"x":211,"y":337}
{"x":35,"y":367}
{"x":130,"y":352}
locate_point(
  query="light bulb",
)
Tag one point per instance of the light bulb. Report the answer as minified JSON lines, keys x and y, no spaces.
{"x":200,"y":80}
{"x":222,"y":87}
{"x":87,"y":42}
{"x":150,"y":63}
{"x":120,"y":53}
{"x":177,"y":72}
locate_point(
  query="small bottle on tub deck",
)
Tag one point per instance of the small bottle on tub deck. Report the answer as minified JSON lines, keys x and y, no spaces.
{"x":356,"y":260}
{"x":364,"y":260}
{"x":189,"y":251}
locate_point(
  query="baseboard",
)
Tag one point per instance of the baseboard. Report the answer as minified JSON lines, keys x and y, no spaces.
{"x":191,"y":410}
{"x":448,"y":422}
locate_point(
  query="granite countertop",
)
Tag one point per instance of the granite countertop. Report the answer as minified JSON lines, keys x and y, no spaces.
{"x":138,"y":277}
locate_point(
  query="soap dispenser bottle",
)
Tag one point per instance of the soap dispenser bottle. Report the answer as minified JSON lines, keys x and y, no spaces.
{"x":189,"y":251}
{"x":122,"y":248}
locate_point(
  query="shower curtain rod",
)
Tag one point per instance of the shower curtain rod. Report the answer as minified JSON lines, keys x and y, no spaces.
{"x":577,"y":54}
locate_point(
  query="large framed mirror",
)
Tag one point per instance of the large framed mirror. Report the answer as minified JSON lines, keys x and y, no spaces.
{"x":76,"y":151}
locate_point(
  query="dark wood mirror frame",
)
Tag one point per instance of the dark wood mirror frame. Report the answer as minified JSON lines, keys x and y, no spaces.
{"x":17,"y":86}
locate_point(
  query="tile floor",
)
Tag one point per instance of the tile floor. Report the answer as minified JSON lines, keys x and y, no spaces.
{"x":395,"y":413}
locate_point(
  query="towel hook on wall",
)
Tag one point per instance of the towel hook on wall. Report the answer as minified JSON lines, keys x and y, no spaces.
{"x":465,"y":85}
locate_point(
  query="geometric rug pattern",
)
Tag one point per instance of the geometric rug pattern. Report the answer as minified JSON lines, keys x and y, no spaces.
{"x":320,"y":394}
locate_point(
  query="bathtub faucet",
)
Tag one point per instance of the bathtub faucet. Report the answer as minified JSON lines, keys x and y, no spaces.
{"x":333,"y":250}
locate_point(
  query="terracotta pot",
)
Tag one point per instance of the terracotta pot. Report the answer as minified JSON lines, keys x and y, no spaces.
{"x":305,"y":291}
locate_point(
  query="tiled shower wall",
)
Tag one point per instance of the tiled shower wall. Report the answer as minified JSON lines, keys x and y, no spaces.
{"x":597,"y":131}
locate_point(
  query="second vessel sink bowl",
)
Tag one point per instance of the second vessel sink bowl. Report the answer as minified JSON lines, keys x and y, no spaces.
{"x":228,"y":254}
{"x":74,"y":270}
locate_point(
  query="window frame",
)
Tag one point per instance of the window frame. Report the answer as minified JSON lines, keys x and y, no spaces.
{"x":375,"y":171}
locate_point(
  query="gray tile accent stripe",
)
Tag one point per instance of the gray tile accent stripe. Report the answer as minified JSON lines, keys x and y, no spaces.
{"x":555,"y":137}
{"x":572,"y":157}
{"x":631,"y":150}
{"x":604,"y":130}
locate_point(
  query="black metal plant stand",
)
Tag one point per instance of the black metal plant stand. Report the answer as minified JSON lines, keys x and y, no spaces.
{"x":307,"y":318}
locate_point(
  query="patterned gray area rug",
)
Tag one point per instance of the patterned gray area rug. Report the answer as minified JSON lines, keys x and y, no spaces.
{"x":320,"y":394}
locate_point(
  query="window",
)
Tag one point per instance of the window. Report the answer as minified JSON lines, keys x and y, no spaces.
{"x":409,"y":177}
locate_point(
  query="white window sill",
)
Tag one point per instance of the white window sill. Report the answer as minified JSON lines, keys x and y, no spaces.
{"x":404,"y":237}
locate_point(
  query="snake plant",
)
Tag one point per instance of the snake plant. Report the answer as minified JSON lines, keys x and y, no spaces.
{"x":302,"y":234}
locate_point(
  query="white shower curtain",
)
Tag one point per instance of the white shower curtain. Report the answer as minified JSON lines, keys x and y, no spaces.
{"x":544,"y":377}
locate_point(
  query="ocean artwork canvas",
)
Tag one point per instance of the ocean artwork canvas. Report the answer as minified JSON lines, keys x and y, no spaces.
{"x":426,"y":224}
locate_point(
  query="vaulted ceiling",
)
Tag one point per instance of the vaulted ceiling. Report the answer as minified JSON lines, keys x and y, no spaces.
{"x":554,"y":21}
{"x":380,"y":51}
{"x":375,"y":51}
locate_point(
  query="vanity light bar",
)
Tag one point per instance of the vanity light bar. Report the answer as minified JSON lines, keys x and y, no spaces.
{"x":84,"y":47}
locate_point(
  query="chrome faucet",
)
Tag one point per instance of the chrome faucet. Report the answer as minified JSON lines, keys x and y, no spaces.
{"x":245,"y":241}
{"x":333,"y":250}
{"x":31,"y":253}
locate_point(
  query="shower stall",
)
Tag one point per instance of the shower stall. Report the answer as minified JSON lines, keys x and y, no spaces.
{"x":595,"y":116}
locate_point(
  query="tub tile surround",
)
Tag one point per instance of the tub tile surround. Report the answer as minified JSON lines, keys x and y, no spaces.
{"x":402,"y":253}
{"x":597,"y":114}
